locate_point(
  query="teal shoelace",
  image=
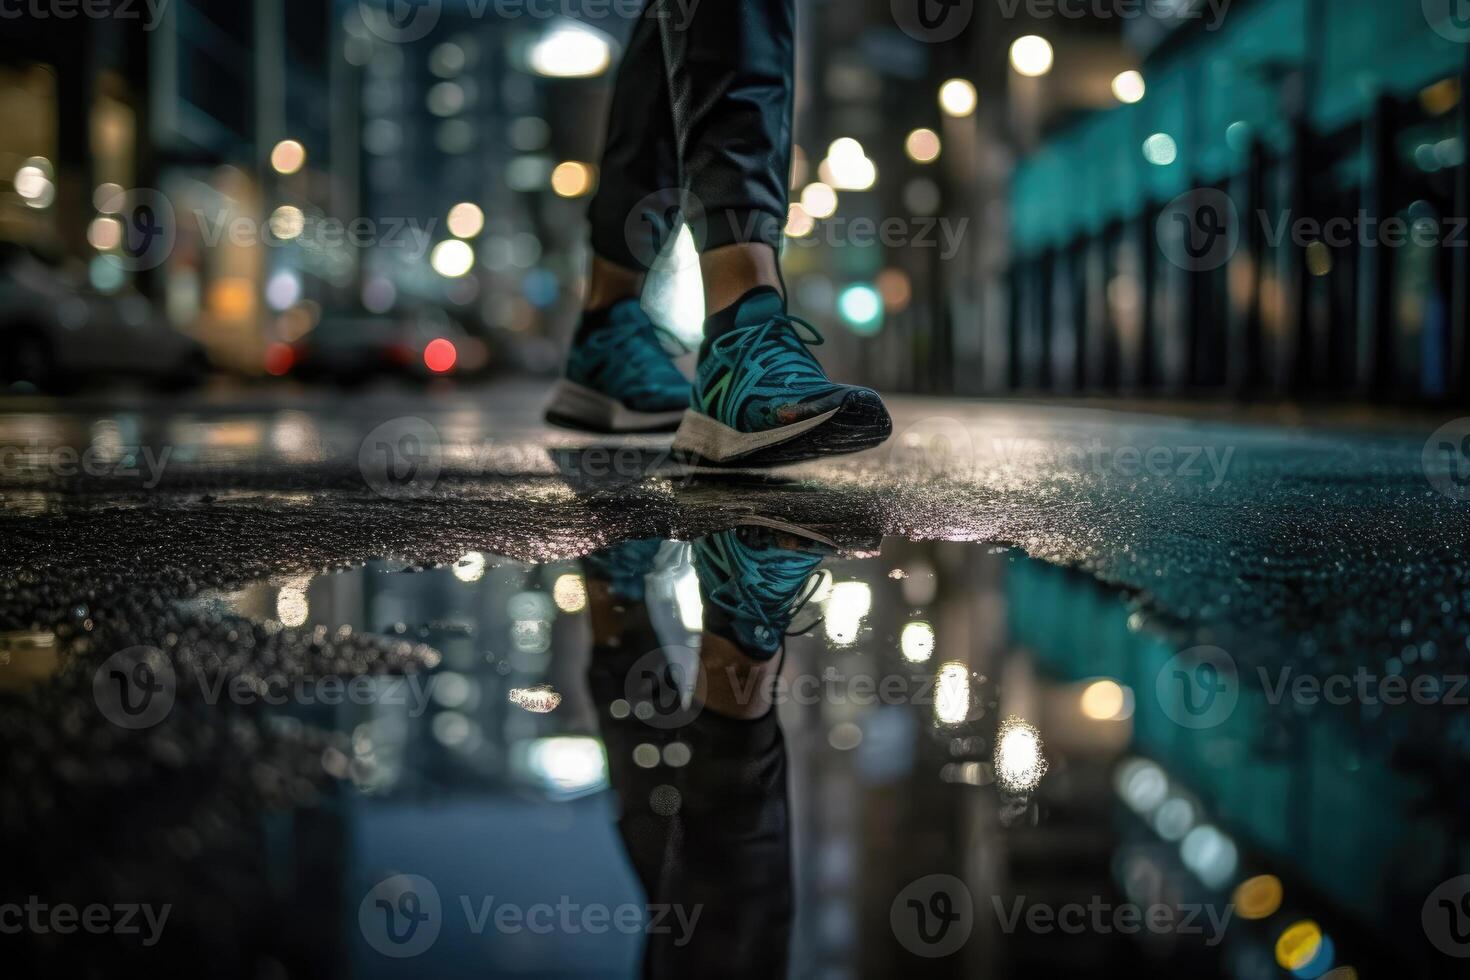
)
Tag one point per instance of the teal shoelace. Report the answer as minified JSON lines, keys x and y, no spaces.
{"x":768,"y":359}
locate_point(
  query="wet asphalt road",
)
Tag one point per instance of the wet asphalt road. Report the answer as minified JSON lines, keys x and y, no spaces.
{"x":126,"y":520}
{"x":1287,"y":541}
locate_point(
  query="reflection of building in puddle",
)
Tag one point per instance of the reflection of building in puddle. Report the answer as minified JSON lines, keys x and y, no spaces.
{"x":27,"y":657}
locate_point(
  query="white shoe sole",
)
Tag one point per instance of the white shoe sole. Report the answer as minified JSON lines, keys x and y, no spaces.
{"x":580,"y":407}
{"x":703,"y":437}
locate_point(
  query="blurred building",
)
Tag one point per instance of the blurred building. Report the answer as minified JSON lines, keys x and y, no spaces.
{"x":990,"y":198}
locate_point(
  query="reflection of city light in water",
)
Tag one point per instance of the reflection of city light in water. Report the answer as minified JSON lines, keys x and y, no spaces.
{"x":539,"y":699}
{"x":1103,"y":700}
{"x":470,"y":567}
{"x":1298,"y":945}
{"x":568,"y":762}
{"x":845,"y":608}
{"x":291,"y":606}
{"x":1019,"y":761}
{"x":1210,"y":854}
{"x":917,"y":642}
{"x":1174,"y":818}
{"x":1142,"y":785}
{"x":952,"y":693}
{"x":1258,"y":898}
{"x":570,"y":593}
{"x":571,"y":51}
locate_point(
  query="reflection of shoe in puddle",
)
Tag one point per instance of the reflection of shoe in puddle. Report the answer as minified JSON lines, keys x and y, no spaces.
{"x":624,"y":566}
{"x":755,"y":579}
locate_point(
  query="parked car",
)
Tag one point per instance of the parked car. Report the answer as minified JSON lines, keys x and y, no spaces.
{"x":417,"y":346}
{"x":56,"y":332}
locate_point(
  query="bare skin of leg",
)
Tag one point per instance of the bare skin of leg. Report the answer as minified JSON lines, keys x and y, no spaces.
{"x":608,"y":283}
{"x":734,"y":270}
{"x":732,"y":684}
{"x":735,"y":685}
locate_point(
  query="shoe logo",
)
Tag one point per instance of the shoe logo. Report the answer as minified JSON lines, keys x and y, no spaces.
{"x":1446,"y":460}
{"x":401,"y":458}
{"x":1198,"y":688}
{"x":1199,"y":230}
{"x":134,"y":688}
{"x":933,"y":916}
{"x":401,"y":916}
{"x":666,"y":687}
{"x":1446,"y":917}
{"x":932,"y":21}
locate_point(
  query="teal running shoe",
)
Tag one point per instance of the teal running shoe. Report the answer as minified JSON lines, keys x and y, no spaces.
{"x":761,"y":399}
{"x":620,"y":376}
{"x":754,"y":580}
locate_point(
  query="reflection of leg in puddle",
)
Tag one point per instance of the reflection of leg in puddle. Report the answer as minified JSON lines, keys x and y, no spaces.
{"x":709,"y":834}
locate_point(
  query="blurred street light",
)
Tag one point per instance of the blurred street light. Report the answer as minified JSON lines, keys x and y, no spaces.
{"x":452,"y":259}
{"x":957,"y":98}
{"x":1129,"y":87}
{"x":922,"y":146}
{"x":799,"y":223}
{"x":288,"y":157}
{"x":1160,"y":149}
{"x":571,"y":51}
{"x":847,"y":167}
{"x":466,"y":220}
{"x":1032,"y":56}
{"x":572,"y":179}
{"x":819,"y":200}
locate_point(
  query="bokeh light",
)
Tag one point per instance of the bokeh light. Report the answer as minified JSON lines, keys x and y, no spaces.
{"x":1032,"y":56}
{"x":288,"y":157}
{"x":819,"y":200}
{"x":572,"y":179}
{"x":957,"y":97}
{"x":452,"y":258}
{"x":922,"y":146}
{"x":466,"y":220}
{"x":1129,"y":87}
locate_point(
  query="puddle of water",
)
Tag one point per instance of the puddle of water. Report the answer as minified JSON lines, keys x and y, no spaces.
{"x":977,"y":764}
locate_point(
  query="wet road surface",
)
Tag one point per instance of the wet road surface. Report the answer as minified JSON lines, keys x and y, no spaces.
{"x":403,"y":684}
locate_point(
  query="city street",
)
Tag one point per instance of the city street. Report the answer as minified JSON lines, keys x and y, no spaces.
{"x":275,"y":546}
